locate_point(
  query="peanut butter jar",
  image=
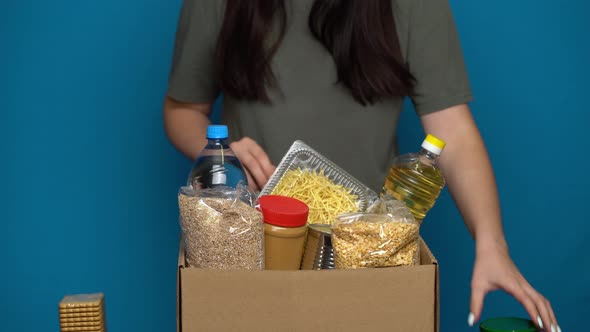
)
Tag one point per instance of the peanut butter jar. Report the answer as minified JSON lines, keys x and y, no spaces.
{"x":285,"y":230}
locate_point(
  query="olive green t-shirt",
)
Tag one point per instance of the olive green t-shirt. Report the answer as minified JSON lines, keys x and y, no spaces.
{"x":308,"y":105}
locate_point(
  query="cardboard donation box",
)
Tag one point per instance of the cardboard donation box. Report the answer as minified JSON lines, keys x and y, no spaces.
{"x":379,"y":299}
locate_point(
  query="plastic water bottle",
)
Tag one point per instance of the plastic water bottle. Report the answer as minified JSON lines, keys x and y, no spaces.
{"x":217,"y":165}
{"x":416,"y":179}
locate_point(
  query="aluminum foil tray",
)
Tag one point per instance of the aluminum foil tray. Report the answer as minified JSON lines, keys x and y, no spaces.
{"x":302,"y":156}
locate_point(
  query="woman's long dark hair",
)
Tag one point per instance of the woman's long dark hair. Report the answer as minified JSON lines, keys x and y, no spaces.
{"x":360,"y":34}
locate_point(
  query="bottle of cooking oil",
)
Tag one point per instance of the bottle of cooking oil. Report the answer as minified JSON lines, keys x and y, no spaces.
{"x":416,"y":179}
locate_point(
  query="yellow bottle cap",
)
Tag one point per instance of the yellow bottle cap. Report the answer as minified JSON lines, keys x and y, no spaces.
{"x":433,"y":144}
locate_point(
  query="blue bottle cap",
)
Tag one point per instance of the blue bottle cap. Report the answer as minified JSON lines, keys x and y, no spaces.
{"x":217,"y":132}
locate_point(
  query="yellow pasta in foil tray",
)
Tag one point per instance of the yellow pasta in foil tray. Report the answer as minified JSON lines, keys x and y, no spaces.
{"x":325,"y":199}
{"x":328,"y":190}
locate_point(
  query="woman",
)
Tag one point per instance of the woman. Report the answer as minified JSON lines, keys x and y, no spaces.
{"x":333,"y":73}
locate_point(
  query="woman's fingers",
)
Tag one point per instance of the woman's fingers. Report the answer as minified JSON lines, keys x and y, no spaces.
{"x":515,"y":289}
{"x":552,"y":315}
{"x":253,"y":166}
{"x":478,"y":293}
{"x":251,"y":183}
{"x":548,"y":323}
{"x":262,"y":158}
{"x":544,"y":307}
{"x":254,"y":160}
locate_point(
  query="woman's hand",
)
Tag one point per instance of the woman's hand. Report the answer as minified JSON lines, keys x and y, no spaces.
{"x":495,"y":270}
{"x":255,"y":161}
{"x":470,"y":177}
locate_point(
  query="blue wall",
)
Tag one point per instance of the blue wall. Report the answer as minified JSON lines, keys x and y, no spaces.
{"x":88,"y":195}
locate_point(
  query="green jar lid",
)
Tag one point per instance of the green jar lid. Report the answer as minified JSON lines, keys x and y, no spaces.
{"x":507,"y":324}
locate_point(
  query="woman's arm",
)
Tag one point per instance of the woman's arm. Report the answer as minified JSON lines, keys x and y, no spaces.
{"x":470,"y":178}
{"x":186,"y":126}
{"x":468,"y":172}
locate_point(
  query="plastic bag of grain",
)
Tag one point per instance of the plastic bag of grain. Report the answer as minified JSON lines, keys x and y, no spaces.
{"x":221,"y":228}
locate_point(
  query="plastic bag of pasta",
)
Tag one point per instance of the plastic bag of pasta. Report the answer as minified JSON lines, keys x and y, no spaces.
{"x":386,"y":235}
{"x":390,"y":206}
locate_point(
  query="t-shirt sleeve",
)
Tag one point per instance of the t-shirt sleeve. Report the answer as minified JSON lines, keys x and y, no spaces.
{"x":192,"y":75}
{"x":435,"y":58}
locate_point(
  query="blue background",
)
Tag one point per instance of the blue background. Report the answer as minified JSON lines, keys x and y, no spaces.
{"x":89,"y":180}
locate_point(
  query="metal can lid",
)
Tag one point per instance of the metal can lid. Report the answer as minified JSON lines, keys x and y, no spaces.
{"x":507,"y":324}
{"x":321,"y":229}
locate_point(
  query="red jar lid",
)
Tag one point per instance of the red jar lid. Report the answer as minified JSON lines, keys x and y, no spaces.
{"x":283,"y":211}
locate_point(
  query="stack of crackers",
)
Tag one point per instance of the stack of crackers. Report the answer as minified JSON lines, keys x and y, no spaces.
{"x":82,"y":312}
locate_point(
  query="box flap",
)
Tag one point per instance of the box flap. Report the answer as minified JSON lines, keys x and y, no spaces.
{"x":437,"y":297}
{"x":181,"y":261}
{"x":426,"y":257}
{"x":181,"y":255}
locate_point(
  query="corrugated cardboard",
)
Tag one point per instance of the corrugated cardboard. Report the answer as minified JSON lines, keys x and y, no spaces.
{"x":385,"y":299}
